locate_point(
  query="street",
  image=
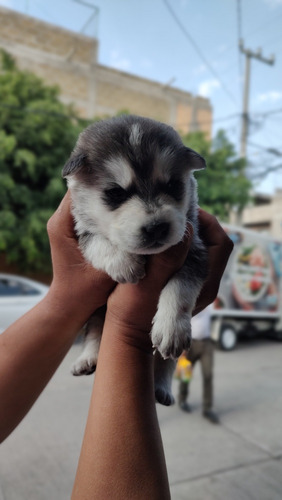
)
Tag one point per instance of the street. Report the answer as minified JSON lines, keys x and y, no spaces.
{"x":240,"y":459}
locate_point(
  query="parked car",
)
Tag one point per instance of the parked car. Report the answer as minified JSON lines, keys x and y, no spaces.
{"x":17,"y":296}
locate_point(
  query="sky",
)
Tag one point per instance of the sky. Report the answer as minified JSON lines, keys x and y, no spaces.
{"x":193,"y":45}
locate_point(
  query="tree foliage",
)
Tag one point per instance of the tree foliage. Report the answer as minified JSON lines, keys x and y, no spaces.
{"x":37,"y":134}
{"x":222,"y":186}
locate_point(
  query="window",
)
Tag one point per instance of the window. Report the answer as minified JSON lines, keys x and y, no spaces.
{"x":10,"y":287}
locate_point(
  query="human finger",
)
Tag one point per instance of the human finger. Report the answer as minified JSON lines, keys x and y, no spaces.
{"x":62,"y":218}
{"x":219,"y":247}
{"x":135,"y":305}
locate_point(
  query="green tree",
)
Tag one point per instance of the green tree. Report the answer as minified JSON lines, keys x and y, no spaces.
{"x":37,"y":134}
{"x":223,"y":185}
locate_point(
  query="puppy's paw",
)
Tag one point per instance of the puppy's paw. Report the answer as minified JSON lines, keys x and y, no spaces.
{"x":84,"y":365}
{"x":163,"y":396}
{"x":131,"y":270}
{"x":171,"y":335}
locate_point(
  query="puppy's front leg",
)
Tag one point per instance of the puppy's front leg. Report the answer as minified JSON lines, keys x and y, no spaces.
{"x":120,"y":265}
{"x":171,"y":332}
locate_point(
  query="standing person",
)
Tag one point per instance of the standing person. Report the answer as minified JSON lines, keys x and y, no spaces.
{"x":202,"y":349}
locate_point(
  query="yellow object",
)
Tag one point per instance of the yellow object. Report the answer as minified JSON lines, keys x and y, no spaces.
{"x":183,"y":369}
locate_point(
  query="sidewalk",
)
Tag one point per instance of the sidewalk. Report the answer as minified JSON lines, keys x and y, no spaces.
{"x":241,"y":458}
{"x":237,"y":460}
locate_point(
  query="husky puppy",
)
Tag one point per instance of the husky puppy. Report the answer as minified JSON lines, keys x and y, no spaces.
{"x":132,"y":192}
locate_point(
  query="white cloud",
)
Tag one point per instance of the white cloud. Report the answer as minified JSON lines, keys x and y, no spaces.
{"x":271,"y":96}
{"x":207,"y":87}
{"x":118,"y":61}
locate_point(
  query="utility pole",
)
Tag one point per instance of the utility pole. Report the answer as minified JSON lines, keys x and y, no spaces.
{"x":245,"y":115}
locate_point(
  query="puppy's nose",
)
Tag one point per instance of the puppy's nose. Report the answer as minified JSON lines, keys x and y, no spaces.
{"x":156,"y":231}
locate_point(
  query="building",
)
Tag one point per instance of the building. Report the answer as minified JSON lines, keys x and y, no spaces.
{"x":264,"y":215}
{"x":70,"y":60}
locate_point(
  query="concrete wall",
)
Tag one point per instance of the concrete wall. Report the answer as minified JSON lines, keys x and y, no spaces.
{"x":265,"y":217}
{"x":69,"y":60}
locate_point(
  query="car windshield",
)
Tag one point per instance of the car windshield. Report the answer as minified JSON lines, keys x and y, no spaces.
{"x":12,"y":287}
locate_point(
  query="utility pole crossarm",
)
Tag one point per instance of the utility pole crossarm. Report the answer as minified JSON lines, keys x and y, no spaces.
{"x":257,"y":55}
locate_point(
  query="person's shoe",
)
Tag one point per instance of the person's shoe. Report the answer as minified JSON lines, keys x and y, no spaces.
{"x":211,"y":416}
{"x":184,"y":406}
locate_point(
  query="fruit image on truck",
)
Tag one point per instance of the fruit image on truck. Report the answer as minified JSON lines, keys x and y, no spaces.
{"x":249,"y":300}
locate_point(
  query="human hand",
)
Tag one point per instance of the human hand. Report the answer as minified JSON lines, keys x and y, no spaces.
{"x":76,"y":285}
{"x":124,"y":303}
{"x":219,"y":247}
{"x":131,"y":307}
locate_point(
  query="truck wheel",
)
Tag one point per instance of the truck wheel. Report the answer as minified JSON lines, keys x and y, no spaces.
{"x":227,"y":337}
{"x":278,"y":335}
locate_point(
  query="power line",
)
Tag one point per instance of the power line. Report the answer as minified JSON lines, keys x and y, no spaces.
{"x":94,"y":15}
{"x":198,"y":50}
{"x":264,"y":114}
{"x":265,"y":171}
{"x":62,"y":115}
{"x":273,"y":151}
{"x":262,"y":26}
{"x":200,"y":122}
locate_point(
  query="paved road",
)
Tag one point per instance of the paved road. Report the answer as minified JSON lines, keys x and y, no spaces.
{"x":239,"y":460}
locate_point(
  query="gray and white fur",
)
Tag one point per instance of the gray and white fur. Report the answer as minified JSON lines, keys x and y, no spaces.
{"x":133,"y":192}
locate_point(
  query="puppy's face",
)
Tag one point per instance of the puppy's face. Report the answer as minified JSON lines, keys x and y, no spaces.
{"x":130,"y":182}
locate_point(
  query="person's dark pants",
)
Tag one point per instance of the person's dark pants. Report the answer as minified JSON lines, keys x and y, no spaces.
{"x":203,"y":351}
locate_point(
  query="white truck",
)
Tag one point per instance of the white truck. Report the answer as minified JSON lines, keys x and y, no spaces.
{"x":249,"y":300}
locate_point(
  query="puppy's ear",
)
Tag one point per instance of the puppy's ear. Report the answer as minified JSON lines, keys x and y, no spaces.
{"x":74,"y":164}
{"x":195,"y":161}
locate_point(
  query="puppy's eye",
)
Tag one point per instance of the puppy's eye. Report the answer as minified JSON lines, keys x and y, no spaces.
{"x":115,"y":196}
{"x":175,"y":188}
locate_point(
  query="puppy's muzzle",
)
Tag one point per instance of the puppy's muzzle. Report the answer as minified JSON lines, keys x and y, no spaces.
{"x":155,"y":233}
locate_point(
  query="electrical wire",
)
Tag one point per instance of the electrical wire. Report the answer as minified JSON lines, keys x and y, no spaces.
{"x":201,"y":122}
{"x":198,"y":50}
{"x":263,"y":25}
{"x":270,"y":150}
{"x":62,"y":115}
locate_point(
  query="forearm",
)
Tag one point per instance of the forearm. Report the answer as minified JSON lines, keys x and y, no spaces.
{"x":122,"y":453}
{"x":31,"y":349}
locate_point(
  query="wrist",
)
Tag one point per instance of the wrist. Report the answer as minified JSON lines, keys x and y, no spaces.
{"x":70,"y":307}
{"x":129,"y":336}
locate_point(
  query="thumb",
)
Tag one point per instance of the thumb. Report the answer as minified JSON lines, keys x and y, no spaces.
{"x":162,"y":266}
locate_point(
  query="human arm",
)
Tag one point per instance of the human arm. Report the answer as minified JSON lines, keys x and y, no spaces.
{"x":122,"y":454}
{"x":32,"y":348}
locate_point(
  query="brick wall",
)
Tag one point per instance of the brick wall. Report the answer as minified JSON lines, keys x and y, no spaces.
{"x":69,"y":60}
